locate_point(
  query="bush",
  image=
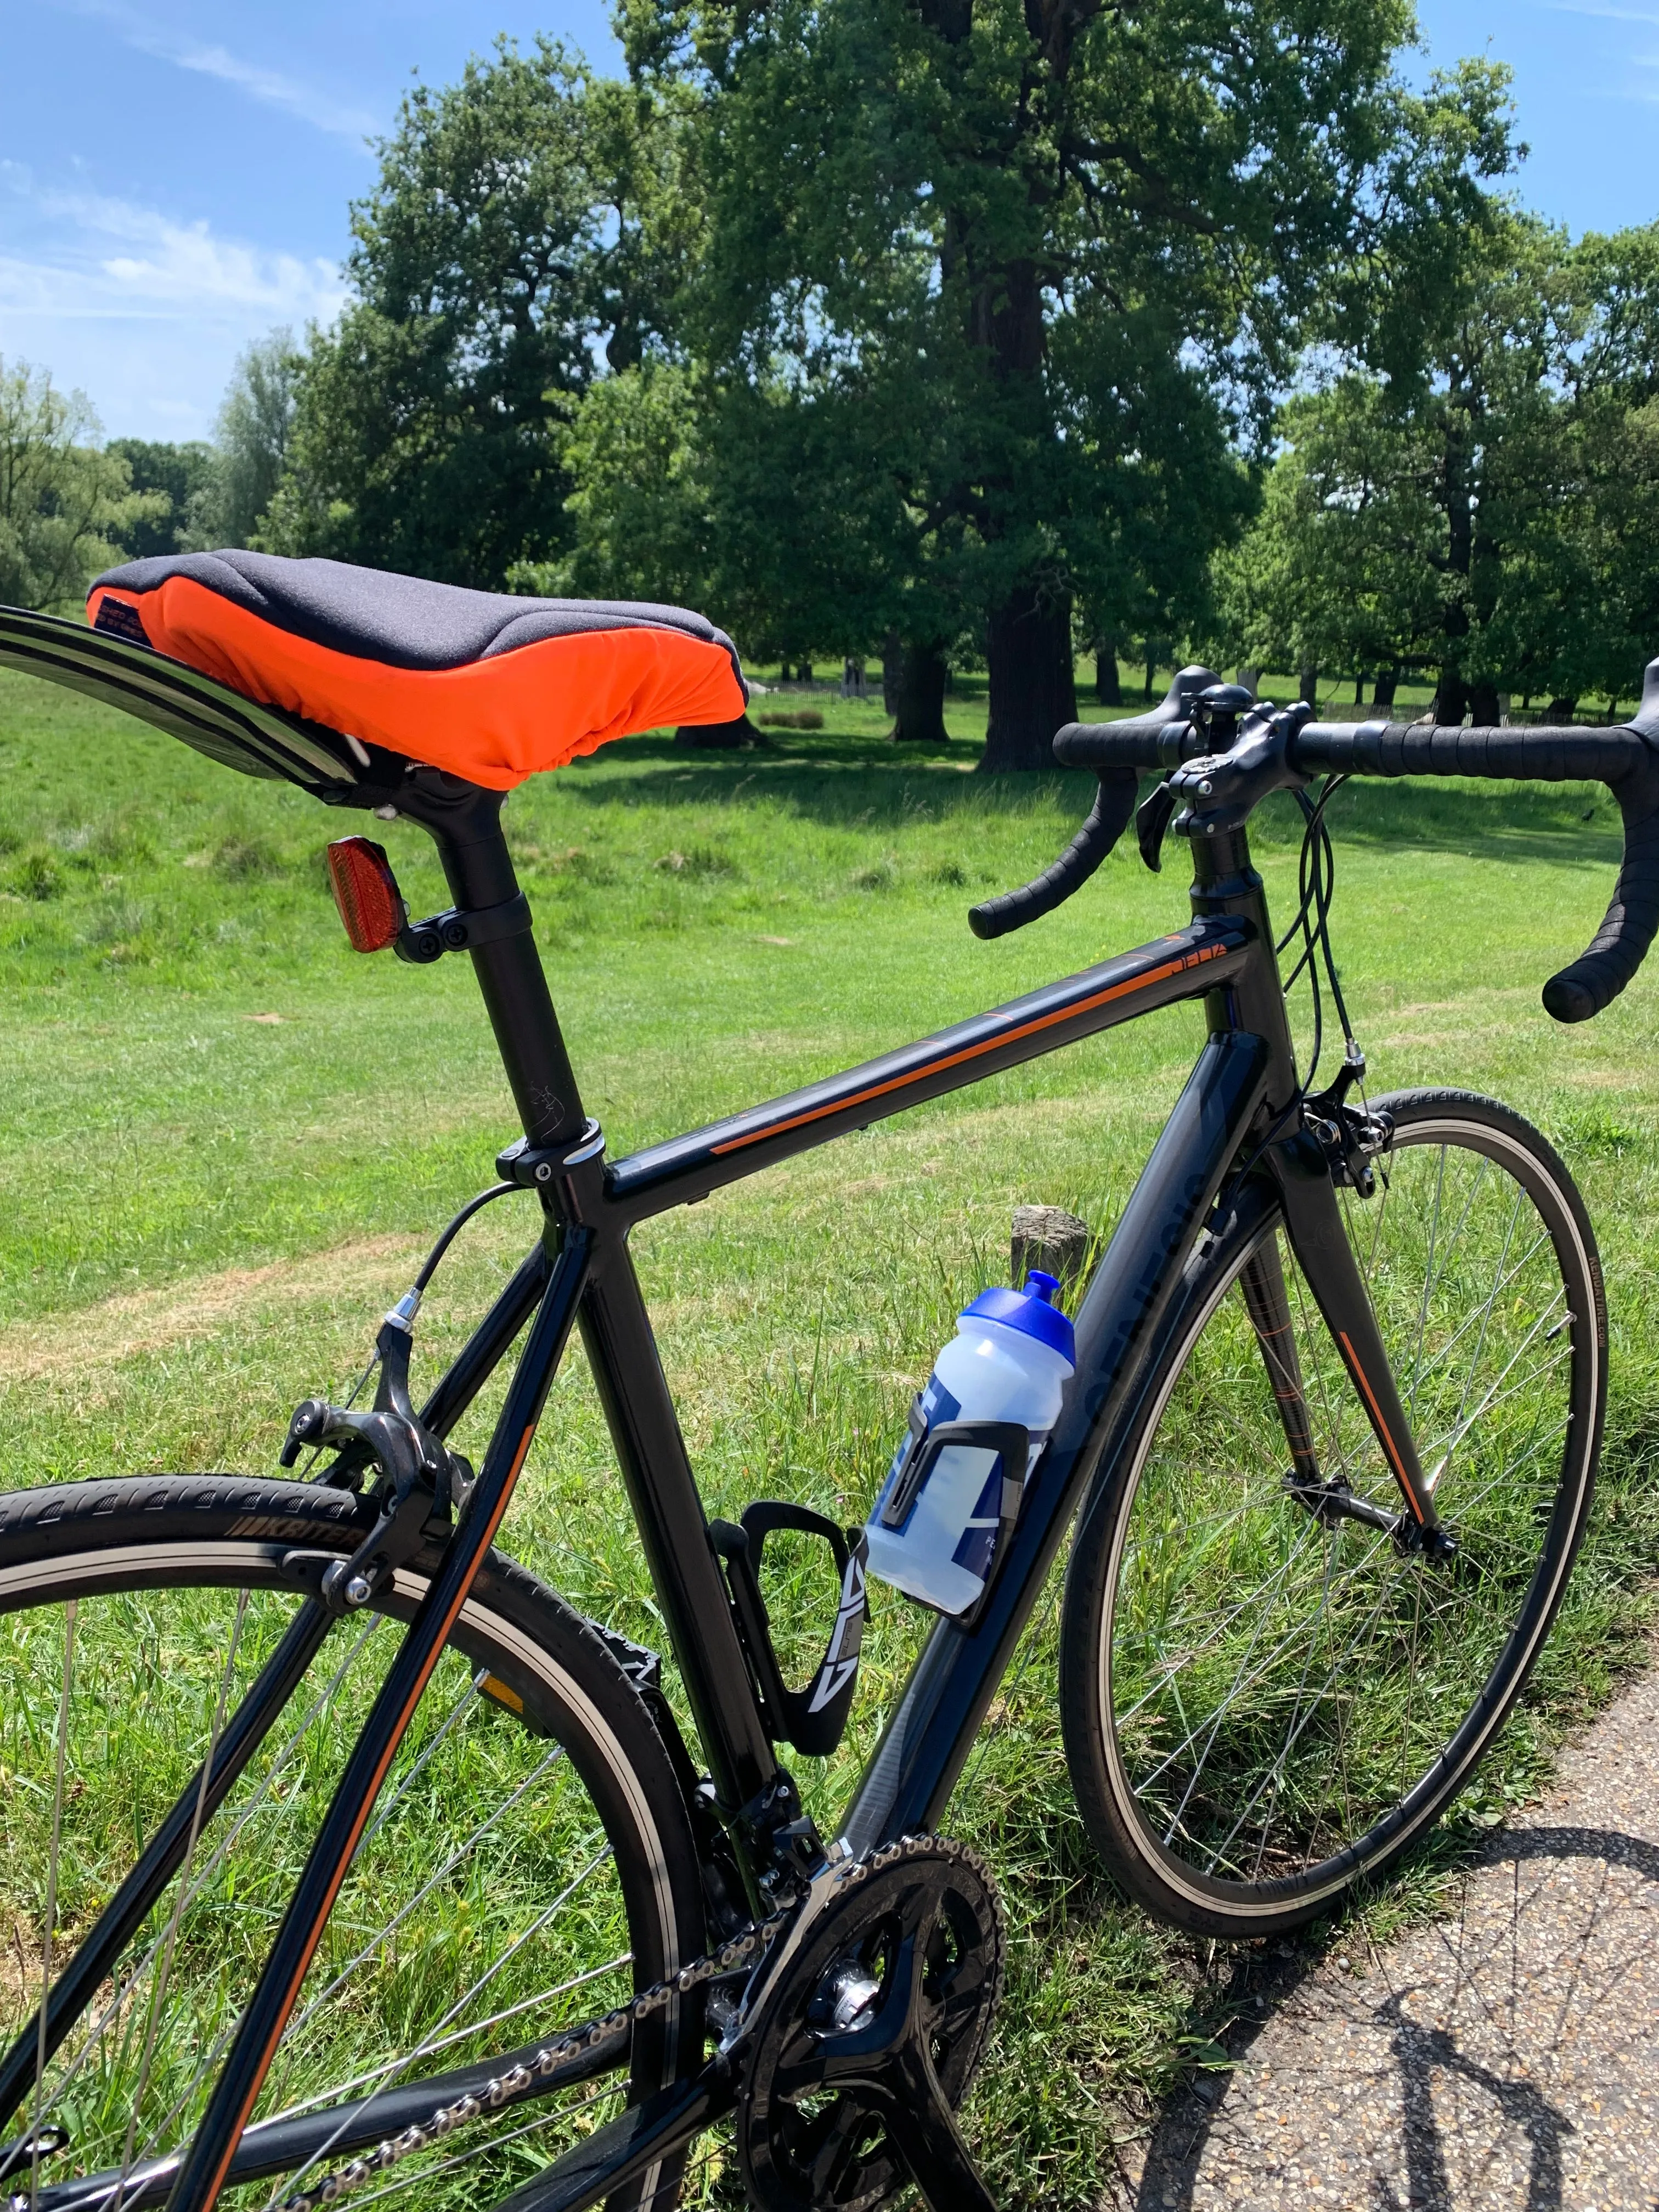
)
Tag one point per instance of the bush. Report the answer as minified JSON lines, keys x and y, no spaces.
{"x":243,"y":858}
{"x":792,"y":718}
{"x":697,"y":861}
{"x":39,"y":876}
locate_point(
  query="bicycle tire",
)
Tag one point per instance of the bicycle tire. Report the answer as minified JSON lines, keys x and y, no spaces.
{"x":1234,"y":1760}
{"x":546,"y":1739}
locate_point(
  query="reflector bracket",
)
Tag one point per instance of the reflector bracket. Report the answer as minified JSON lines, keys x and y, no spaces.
{"x":366,"y":892}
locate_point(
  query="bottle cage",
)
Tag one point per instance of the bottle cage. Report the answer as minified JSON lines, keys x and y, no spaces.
{"x":814,"y":1719}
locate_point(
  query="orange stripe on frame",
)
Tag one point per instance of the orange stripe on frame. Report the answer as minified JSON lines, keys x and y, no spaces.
{"x":1388,"y":1443}
{"x":978,"y":1051}
{"x":403,"y":1718}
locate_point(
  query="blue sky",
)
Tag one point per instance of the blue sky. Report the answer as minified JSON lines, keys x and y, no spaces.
{"x":174,"y":173}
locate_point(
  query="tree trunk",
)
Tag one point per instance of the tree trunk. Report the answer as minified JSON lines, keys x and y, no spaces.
{"x":1484,"y":710}
{"x":1310,"y":690}
{"x":1359,"y":690}
{"x":1151,"y":670}
{"x":1033,"y":684}
{"x":717,"y":737}
{"x":1560,"y":710}
{"x":1451,"y":699}
{"x":893,"y":662}
{"x":1382,"y":690}
{"x":1107,"y":690}
{"x":919,"y":708}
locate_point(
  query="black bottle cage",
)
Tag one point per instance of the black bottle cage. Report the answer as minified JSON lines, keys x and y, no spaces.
{"x":814,"y":1719}
{"x":1012,"y":1446}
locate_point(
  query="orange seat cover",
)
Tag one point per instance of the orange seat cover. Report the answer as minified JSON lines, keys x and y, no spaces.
{"x":493,"y":719}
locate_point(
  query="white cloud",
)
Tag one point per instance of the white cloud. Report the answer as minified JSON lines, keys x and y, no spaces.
{"x":110,"y":256}
{"x":1608,"y":14}
{"x":146,"y":313}
{"x":183,"y":269}
{"x":272,"y":88}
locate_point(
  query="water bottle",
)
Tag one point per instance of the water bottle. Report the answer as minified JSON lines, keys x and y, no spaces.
{"x":1009,"y":1361}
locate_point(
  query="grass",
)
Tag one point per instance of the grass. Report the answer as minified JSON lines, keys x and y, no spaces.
{"x":226,"y":1136}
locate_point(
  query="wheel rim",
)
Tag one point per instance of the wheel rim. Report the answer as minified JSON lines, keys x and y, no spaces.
{"x":1286,"y":1702}
{"x":485,"y":1909}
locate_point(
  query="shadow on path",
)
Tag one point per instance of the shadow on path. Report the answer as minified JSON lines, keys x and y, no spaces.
{"x":1478,"y":2063}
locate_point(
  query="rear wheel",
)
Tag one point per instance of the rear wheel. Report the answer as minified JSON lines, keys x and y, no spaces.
{"x":1262,"y":1703}
{"x":528,"y":1864}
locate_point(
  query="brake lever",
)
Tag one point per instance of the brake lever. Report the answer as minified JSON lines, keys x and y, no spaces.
{"x":1152,"y":819}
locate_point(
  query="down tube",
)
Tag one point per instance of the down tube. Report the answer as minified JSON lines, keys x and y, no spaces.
{"x":908,"y":1781}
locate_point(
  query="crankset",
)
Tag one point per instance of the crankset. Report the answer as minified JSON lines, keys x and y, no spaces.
{"x":865,"y":2042}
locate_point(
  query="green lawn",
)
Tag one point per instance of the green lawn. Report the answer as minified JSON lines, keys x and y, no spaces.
{"x":227,"y":1136}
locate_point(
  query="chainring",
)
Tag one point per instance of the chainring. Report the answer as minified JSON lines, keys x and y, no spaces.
{"x":810,"y":2139}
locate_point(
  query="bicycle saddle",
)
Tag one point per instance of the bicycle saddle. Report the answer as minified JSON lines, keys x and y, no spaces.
{"x":487,"y":686}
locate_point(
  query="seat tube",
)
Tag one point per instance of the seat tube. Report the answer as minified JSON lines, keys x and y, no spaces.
{"x":466,"y":822}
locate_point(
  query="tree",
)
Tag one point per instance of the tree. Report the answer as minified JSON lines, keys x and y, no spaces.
{"x":426,"y":430}
{"x":251,"y":441}
{"x":1063,"y":251}
{"x":174,"y":474}
{"x":641,"y":515}
{"x":66,"y":502}
{"x":1490,"y":517}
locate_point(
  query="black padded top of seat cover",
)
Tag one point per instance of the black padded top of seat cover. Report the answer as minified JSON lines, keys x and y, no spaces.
{"x":404,"y":621}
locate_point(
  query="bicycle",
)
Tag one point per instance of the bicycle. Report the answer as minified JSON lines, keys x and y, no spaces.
{"x":1328,"y":1452}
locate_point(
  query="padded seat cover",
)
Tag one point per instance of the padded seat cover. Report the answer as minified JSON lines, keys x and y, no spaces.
{"x":488,"y":686}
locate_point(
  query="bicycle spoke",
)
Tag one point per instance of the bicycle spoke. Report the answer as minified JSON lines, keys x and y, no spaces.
{"x":158,"y":1993}
{"x":1283,"y":1673}
{"x":70,"y":1613}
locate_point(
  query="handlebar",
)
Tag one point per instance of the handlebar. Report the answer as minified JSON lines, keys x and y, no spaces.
{"x":1109,"y":816}
{"x":1626,"y":759}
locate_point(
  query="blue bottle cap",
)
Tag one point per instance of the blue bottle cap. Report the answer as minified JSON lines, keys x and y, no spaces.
{"x":1031,"y":1311}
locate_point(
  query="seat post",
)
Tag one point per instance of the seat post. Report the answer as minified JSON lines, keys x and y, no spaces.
{"x":466,"y":824}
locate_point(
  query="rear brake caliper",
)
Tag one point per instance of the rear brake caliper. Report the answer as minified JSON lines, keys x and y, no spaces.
{"x":422,"y":1482}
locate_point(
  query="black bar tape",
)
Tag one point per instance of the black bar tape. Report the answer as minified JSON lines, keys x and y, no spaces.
{"x":1537,"y":756}
{"x":1616,"y":950}
{"x":1108,"y":818}
{"x":1623,"y":759}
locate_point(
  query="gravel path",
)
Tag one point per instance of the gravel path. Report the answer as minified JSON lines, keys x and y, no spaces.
{"x":1508,"y":2057}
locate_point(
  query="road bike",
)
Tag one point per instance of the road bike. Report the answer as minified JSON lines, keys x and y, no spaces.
{"x":344,"y":1858}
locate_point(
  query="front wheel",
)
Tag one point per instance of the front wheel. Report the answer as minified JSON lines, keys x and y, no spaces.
{"x":1263,"y":1700}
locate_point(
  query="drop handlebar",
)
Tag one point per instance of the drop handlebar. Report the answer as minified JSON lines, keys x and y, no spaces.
{"x":1624,"y":758}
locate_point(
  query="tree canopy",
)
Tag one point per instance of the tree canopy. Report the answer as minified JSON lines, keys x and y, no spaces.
{"x":1487,"y":517}
{"x":972,"y":329}
{"x":500,"y":245}
{"x":67,"y":505}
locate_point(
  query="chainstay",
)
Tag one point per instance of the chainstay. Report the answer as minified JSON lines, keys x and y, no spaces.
{"x":515,"y":2085}
{"x":518,"y":2082}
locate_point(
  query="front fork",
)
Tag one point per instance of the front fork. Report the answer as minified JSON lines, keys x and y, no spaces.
{"x":1319,"y":1241}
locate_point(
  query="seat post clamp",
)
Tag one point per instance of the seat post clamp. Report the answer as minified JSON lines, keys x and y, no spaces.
{"x":455,"y":930}
{"x":534,"y":1167}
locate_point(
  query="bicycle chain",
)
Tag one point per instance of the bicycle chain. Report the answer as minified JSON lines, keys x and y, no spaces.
{"x":507,"y":2089}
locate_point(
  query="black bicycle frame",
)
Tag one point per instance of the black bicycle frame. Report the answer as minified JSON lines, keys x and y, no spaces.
{"x":1238,"y":1102}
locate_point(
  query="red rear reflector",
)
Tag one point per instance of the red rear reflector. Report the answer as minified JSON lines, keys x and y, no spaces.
{"x":366,"y":892}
